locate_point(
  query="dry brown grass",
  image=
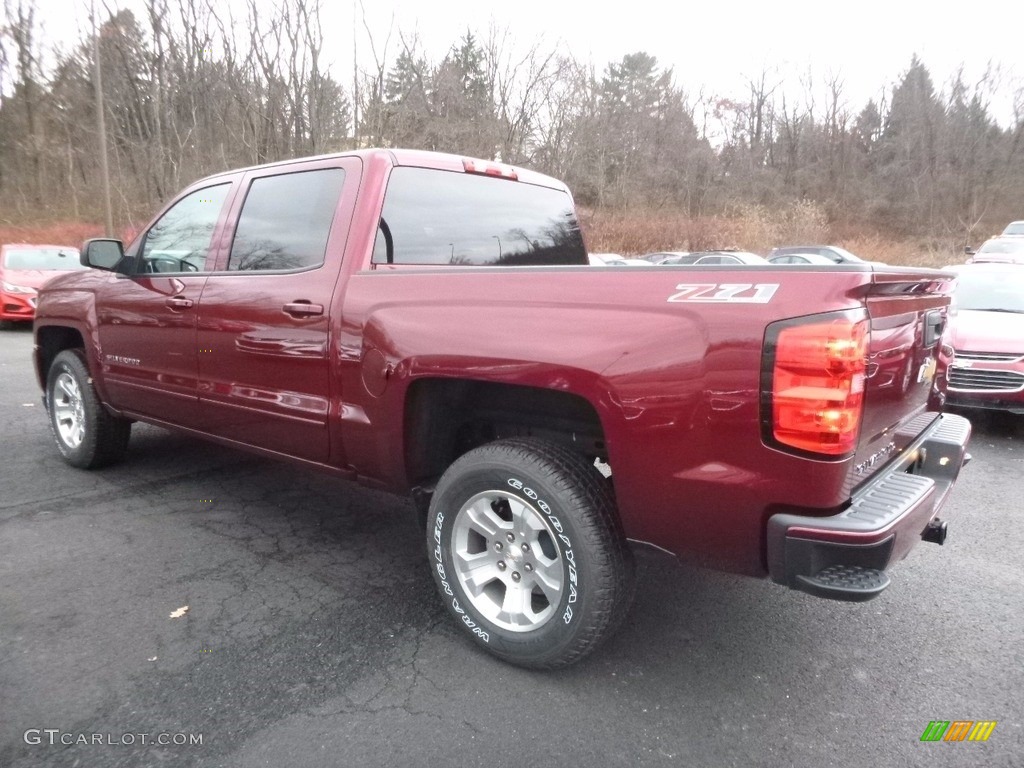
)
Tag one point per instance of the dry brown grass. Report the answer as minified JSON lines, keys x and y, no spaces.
{"x":756,"y":229}
{"x":906,"y":252}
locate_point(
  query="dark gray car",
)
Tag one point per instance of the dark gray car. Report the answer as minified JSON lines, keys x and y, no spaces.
{"x":832,"y":252}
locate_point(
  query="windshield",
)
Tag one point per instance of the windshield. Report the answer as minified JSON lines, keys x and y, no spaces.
{"x":1001,"y":291}
{"x":42,"y":258}
{"x":1014,"y":228}
{"x":1009,"y":245}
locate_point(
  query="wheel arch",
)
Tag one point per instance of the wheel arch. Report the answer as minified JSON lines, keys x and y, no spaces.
{"x":445,"y":418}
{"x":50,"y":341}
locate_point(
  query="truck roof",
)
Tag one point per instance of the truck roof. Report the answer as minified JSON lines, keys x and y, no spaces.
{"x":409,"y":157}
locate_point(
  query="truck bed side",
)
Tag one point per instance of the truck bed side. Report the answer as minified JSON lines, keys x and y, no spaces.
{"x":674,"y":381}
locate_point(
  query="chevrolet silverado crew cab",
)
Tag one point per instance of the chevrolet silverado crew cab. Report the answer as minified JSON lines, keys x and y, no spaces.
{"x":429,"y":324}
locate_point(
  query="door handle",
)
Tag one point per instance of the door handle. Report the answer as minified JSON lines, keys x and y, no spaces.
{"x":179,"y":302}
{"x":303,"y":308}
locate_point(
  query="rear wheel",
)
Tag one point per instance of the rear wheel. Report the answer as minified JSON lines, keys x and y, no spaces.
{"x":527,"y":552}
{"x":87,"y":435}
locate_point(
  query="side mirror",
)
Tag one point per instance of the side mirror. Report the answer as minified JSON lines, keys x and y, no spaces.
{"x":968,"y":250}
{"x":101,"y":253}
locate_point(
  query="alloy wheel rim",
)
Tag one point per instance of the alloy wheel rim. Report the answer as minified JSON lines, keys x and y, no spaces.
{"x":68,"y":410}
{"x":507,"y":559}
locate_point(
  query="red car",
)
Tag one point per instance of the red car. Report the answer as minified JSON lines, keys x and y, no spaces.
{"x":985,"y":339}
{"x":24,"y":269}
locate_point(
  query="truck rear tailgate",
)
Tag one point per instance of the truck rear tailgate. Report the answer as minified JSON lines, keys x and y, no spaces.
{"x":907,"y":310}
{"x":906,"y":460}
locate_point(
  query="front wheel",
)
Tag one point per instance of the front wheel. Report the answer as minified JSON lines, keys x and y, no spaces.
{"x":527,"y":552}
{"x":87,"y":435}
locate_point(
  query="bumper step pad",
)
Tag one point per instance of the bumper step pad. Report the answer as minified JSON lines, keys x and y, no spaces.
{"x":851,"y":583}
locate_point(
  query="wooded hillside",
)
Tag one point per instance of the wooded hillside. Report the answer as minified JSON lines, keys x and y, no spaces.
{"x":654,"y":160}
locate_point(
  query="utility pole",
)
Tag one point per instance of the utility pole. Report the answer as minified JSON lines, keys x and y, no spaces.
{"x":355,"y":81}
{"x":101,"y":126}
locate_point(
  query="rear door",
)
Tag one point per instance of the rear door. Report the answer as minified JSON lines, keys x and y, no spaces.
{"x":263,"y":327}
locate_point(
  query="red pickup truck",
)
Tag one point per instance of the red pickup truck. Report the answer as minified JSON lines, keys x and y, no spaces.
{"x":428,"y":324}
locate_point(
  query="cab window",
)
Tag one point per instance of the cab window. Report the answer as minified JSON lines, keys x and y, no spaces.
{"x":180,"y":239}
{"x":286,"y":220}
{"x":445,"y":217}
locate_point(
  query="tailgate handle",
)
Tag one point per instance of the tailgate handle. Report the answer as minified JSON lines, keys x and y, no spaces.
{"x":303,"y":308}
{"x":934,"y":324}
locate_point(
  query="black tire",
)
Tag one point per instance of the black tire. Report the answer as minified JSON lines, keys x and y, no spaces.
{"x":87,"y":434}
{"x":553,"y":514}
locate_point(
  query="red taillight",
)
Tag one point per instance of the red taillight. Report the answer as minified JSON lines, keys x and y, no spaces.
{"x":818,"y":385}
{"x":490,"y":169}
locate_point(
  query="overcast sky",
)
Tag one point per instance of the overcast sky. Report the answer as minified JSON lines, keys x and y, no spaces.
{"x":717,"y":45}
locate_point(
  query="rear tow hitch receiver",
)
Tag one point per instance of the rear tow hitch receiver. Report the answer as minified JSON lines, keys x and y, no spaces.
{"x":935,"y":532}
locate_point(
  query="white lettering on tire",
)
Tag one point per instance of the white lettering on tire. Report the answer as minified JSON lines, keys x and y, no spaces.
{"x":567,"y":551}
{"x":439,"y":565}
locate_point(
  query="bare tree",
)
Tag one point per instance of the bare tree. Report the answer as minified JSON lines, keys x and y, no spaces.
{"x":197,"y":86}
{"x":22,"y":31}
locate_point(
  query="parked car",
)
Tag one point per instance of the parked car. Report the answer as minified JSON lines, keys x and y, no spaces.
{"x":1014,"y":228}
{"x":1004,"y":249}
{"x":832,"y":252}
{"x":615,"y":260}
{"x":719,"y":258}
{"x":670,"y":257}
{"x":985,"y":338}
{"x":802,"y":258}
{"x":23,"y":270}
{"x":344,"y":312}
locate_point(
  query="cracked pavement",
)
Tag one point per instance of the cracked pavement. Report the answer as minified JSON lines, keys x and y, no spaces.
{"x":314,"y":636}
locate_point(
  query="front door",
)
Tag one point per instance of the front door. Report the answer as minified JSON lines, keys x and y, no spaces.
{"x":146,"y":319}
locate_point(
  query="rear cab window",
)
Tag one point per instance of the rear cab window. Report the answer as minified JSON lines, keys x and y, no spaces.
{"x":440,"y":217}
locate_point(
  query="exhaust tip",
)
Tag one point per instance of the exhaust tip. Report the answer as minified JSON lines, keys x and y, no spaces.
{"x":935,"y":532}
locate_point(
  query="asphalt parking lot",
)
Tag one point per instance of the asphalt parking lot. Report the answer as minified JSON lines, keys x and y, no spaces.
{"x":313,"y":635}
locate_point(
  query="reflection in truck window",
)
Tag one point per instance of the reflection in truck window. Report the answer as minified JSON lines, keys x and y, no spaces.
{"x":445,"y":217}
{"x":286,"y":219}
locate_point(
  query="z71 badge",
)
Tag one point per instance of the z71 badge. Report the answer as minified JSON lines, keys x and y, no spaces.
{"x":718,"y":293}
